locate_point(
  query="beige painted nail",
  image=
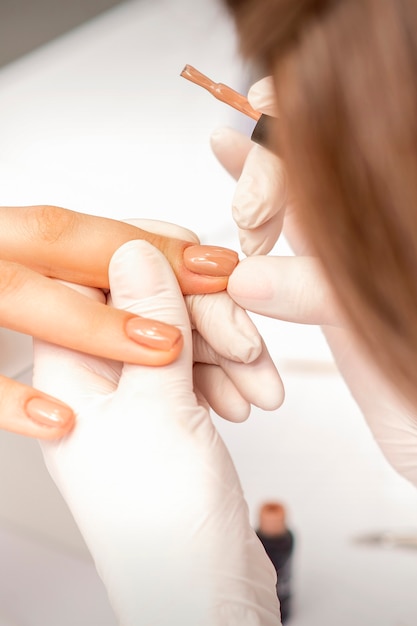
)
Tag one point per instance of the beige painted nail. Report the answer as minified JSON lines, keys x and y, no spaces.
{"x":152,"y":334}
{"x":48,"y":413}
{"x":210,"y":260}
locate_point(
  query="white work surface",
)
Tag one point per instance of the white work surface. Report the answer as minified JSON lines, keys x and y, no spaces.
{"x":100,"y":122}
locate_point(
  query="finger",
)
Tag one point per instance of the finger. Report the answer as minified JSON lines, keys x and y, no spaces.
{"x":262,"y":189}
{"x":174,"y":232}
{"x":225,"y":326}
{"x":35,"y":305}
{"x":27,"y":411}
{"x":292,"y":289}
{"x":261,"y":192}
{"x":220,"y":393}
{"x":262,"y":239}
{"x":155,"y":295}
{"x":77,"y":247}
{"x":257,"y":382}
{"x":231,"y":149}
{"x":262,"y":96}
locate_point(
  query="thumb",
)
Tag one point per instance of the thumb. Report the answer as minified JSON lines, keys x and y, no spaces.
{"x":261,"y":96}
{"x":292,"y":289}
{"x":142,"y":282}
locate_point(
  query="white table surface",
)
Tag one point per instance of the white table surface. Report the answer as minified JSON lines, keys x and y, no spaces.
{"x":99,"y":121}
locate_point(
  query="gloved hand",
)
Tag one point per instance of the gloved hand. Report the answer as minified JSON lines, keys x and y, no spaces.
{"x":232,"y":367}
{"x":147,"y":477}
{"x":259,"y":217}
{"x":294,"y":289}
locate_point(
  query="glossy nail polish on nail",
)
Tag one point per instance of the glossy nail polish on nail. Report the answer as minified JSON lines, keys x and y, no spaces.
{"x":152,"y":334}
{"x":48,"y":413}
{"x":210,"y":260}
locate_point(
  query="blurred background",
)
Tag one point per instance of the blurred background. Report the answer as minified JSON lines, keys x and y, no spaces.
{"x":94,"y":117}
{"x":26,"y":24}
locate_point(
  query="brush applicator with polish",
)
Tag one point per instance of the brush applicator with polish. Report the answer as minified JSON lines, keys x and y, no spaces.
{"x":261,"y":133}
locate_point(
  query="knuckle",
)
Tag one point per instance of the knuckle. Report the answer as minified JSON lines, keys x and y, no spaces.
{"x":49,"y":223}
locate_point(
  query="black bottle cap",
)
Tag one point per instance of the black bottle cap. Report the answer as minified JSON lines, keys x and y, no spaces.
{"x":263,"y":131}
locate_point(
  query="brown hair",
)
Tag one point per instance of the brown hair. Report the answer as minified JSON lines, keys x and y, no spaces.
{"x":346,"y":81}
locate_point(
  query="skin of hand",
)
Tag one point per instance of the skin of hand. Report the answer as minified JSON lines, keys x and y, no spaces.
{"x":76,"y":247}
{"x":147,"y":477}
{"x":294,"y":289}
{"x":232,"y":367}
{"x":41,"y":242}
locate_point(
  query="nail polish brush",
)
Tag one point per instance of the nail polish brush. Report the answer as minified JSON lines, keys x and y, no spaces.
{"x":261,"y":132}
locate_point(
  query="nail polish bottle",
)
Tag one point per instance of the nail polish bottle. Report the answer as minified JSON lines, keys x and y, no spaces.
{"x":278,"y":542}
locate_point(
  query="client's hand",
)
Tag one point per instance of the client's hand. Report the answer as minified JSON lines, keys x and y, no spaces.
{"x":147,"y":477}
{"x":37,"y":243}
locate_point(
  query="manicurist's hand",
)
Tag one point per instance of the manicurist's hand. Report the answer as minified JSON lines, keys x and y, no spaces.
{"x":232,"y":366}
{"x":261,"y":198}
{"x":295,"y":289}
{"x":43,"y":242}
{"x":147,"y":477}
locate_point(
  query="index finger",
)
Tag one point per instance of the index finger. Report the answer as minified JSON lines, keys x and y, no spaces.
{"x":77,"y":247}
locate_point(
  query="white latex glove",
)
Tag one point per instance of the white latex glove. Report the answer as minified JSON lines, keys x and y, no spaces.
{"x":258,"y":215}
{"x":294,"y":289}
{"x":232,"y":367}
{"x":147,"y":477}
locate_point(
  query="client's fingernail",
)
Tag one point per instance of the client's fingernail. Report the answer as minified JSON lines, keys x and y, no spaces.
{"x":48,"y":413}
{"x":152,"y":333}
{"x":210,"y":260}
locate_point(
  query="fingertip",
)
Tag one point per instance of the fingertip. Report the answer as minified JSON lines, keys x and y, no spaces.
{"x":251,"y":245}
{"x":28,"y":412}
{"x":226,"y":138}
{"x":128,"y":253}
{"x":161,"y":343}
{"x":210,"y":260}
{"x":222,"y":135}
{"x":234,"y":282}
{"x":47,"y":411}
{"x":261,"y":96}
{"x":261,"y":240}
{"x":217,"y":135}
{"x":231,"y":149}
{"x":152,"y":333}
{"x":139,"y":271}
{"x":249,"y":281}
{"x":197,"y":284}
{"x":45,"y":433}
{"x":273,"y":395}
{"x":236,"y":412}
{"x":221,"y":393}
